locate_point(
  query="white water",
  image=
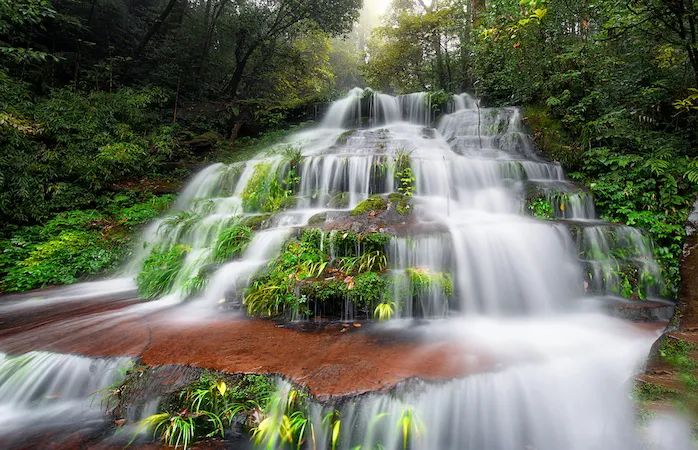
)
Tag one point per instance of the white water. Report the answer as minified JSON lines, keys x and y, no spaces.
{"x":521,"y":284}
{"x":40,"y":392}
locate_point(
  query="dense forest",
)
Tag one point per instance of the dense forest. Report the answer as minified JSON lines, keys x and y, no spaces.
{"x":106,"y":107}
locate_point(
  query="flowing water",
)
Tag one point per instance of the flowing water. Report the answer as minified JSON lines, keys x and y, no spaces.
{"x":523,"y":288}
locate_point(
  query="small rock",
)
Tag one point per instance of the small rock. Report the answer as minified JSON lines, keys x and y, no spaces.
{"x":357,"y":325}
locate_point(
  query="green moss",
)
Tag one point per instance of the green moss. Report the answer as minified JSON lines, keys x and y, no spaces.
{"x":232,"y":242}
{"x":551,"y":138}
{"x":649,"y":392}
{"x":317,"y":219}
{"x":371,"y":204}
{"x":401,"y":203}
{"x":160,"y":271}
{"x":256,"y":222}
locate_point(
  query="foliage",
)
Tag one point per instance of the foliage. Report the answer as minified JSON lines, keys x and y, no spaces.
{"x":285,"y":423}
{"x":304,"y":274}
{"x":73,"y":147}
{"x":274,"y":293}
{"x":404,"y":178}
{"x":60,"y":260}
{"x":160,"y":270}
{"x":423,"y":280}
{"x":232,"y":241}
{"x":206,"y":407}
{"x":384,"y":311}
{"x":266,"y":192}
{"x":416,"y":49}
{"x":374,"y":261}
{"x":73,"y":244}
{"x":541,"y":208}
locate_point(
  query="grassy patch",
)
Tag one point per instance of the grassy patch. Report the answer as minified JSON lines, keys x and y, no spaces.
{"x":160,"y":271}
{"x":232,"y":242}
{"x":649,"y":392}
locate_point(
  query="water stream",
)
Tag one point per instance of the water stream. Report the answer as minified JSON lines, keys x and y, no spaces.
{"x":524,"y":288}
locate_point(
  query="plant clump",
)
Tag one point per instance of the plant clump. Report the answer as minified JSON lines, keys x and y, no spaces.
{"x":423,"y":280}
{"x":320,"y":272}
{"x":232,"y":241}
{"x":160,"y":270}
{"x":541,"y":208}
{"x":208,"y":408}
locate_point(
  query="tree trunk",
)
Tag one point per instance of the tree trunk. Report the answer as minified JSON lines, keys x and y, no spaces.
{"x":477,"y":7}
{"x":155,"y":27}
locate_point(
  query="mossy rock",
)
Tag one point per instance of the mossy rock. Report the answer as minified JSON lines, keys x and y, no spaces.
{"x":344,"y":137}
{"x":317,"y":220}
{"x":256,"y":222}
{"x":339,"y":200}
{"x":401,"y":203}
{"x":645,"y":391}
{"x":371,"y":204}
{"x":204,"y":142}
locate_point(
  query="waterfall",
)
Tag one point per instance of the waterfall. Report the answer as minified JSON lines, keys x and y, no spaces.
{"x":45,"y":392}
{"x":517,"y":283}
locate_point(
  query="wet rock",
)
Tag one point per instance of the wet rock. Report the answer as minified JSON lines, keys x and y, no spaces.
{"x":204,"y":142}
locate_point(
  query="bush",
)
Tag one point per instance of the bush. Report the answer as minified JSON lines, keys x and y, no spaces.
{"x":61,"y":260}
{"x":94,"y":241}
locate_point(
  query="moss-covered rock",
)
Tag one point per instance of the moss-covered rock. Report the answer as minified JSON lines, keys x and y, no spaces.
{"x":344,"y":137}
{"x":370,"y":205}
{"x":256,"y":222}
{"x":339,"y":200}
{"x":401,"y":203}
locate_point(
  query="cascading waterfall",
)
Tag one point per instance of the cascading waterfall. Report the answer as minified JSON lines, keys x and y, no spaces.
{"x":44,"y":392}
{"x":499,"y":278}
